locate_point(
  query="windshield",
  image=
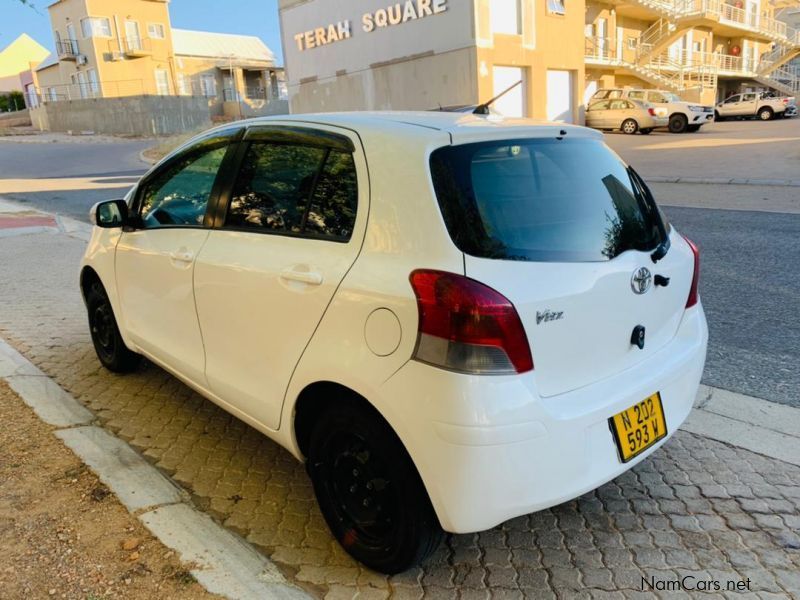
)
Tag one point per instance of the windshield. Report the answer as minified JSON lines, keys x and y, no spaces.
{"x":542,"y":200}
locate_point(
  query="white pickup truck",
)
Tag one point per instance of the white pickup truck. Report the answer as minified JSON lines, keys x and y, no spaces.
{"x":752,"y":104}
{"x":682,"y":116}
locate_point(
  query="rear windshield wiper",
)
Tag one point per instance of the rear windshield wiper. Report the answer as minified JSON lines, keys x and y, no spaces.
{"x":650,"y":203}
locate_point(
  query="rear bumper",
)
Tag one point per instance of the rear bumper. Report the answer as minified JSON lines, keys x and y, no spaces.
{"x":490,"y":449}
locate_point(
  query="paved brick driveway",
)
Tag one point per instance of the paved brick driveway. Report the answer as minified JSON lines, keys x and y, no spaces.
{"x":696,"y":508}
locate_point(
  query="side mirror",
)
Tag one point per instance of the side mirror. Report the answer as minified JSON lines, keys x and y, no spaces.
{"x":109,"y":214}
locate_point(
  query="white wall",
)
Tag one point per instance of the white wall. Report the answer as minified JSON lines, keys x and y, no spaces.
{"x":450,"y":30}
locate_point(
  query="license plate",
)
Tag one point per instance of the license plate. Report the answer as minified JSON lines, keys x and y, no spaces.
{"x":637,"y":428}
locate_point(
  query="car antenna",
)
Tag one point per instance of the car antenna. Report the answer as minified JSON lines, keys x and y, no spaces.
{"x":483,"y":109}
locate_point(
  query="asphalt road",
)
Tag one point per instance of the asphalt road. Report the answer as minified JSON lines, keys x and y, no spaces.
{"x":751,"y":295}
{"x":68,"y":178}
{"x":748,"y":286}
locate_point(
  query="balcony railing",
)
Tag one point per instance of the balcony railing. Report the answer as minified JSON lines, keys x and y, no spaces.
{"x":137,"y":46}
{"x":67,"y":49}
{"x":600,"y":49}
{"x":733,"y":15}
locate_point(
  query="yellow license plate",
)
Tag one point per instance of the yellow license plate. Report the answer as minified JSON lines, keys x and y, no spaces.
{"x":637,"y":428}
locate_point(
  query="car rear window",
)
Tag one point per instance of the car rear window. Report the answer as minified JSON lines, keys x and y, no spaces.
{"x":542,"y":200}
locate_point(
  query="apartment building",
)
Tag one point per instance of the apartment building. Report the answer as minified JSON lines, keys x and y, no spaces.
{"x":422,"y":54}
{"x":704,"y":50}
{"x":115,"y":48}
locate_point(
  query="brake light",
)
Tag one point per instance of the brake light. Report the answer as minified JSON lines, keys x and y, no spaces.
{"x":652,"y":112}
{"x":786,"y":101}
{"x":692,"y":299}
{"x":468,"y":327}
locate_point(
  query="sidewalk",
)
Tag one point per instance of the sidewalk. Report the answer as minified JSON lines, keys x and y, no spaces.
{"x":64,"y":534}
{"x":698,"y":507}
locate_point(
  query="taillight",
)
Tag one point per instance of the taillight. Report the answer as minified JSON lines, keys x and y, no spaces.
{"x":692,"y":300}
{"x":652,"y":112}
{"x":468,"y":327}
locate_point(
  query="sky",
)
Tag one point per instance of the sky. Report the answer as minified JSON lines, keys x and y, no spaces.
{"x":250,"y":17}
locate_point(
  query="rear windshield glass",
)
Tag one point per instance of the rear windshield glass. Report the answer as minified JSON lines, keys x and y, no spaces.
{"x":542,"y":200}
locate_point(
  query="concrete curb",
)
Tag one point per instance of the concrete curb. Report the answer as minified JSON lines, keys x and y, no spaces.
{"x":725,"y":181}
{"x":65,"y":225}
{"x":148,"y":161}
{"x":757,"y":425}
{"x":225,"y":563}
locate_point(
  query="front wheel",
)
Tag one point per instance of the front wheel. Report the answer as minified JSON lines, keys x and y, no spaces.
{"x":765,"y":114}
{"x":678,"y":123}
{"x":369,"y":490}
{"x":718,"y":117}
{"x":629,"y":126}
{"x":108,"y":344}
{"x":693,"y":128}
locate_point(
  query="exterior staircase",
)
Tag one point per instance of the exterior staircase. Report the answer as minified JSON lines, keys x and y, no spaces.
{"x":655,"y":39}
{"x":784,"y":79}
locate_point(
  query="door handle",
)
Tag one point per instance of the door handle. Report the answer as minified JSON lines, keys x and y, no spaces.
{"x":309,"y":277}
{"x":182,"y":256}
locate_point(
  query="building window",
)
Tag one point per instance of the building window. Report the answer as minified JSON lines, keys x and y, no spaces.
{"x":155,"y":31}
{"x":208,"y":85}
{"x":505,"y":16}
{"x":183,"y":87}
{"x":95,"y":27}
{"x":556,"y":7}
{"x":94,"y":84}
{"x":162,"y":82}
{"x":53,"y":95}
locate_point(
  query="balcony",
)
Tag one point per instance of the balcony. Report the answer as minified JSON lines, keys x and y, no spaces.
{"x":137,"y":47}
{"x":599,"y":51}
{"x":730,"y":20}
{"x":67,"y":49}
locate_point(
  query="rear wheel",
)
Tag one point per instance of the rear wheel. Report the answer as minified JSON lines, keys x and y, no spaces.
{"x":108,"y":344}
{"x":678,"y":123}
{"x":629,"y":126}
{"x":369,"y":490}
{"x":765,"y":114}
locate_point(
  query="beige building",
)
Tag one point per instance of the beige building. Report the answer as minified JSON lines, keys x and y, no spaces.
{"x":421,"y":54}
{"x":114,"y":48}
{"x":704,"y":50}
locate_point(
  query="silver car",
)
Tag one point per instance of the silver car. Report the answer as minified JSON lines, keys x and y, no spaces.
{"x":627,"y":116}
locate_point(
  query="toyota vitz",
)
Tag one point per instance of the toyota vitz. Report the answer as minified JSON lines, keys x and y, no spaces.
{"x":452,"y":319}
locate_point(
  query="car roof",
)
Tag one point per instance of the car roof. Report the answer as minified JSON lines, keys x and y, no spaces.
{"x":458,"y":125}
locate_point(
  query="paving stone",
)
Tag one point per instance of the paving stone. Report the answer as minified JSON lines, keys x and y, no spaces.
{"x":694,"y":506}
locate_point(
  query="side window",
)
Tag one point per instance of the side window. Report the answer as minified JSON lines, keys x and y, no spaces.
{"x":599,"y":106}
{"x":333,"y":206}
{"x":295,"y":189}
{"x":273,"y":187}
{"x":619,"y":105}
{"x":732,"y":99}
{"x":178,"y":195}
{"x":636,"y":95}
{"x":748,"y":98}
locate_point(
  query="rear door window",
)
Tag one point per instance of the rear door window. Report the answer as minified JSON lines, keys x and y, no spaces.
{"x":295,"y":189}
{"x":542,"y":200}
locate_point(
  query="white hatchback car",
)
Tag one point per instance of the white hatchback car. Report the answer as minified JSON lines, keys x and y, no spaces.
{"x":452,"y":319}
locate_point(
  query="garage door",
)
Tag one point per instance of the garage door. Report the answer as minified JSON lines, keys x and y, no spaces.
{"x":560,"y":96}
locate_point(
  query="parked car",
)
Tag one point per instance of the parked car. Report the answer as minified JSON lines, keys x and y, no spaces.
{"x":627,"y":116}
{"x":752,"y":104}
{"x":682,"y":116}
{"x":452,"y":319}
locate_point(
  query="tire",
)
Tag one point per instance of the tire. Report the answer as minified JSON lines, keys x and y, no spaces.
{"x":108,"y":344}
{"x":369,"y":491}
{"x":765,"y":113}
{"x":693,"y":128}
{"x":718,"y":117}
{"x":629,"y":126}
{"x":678,"y":123}
{"x":646,"y":131}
